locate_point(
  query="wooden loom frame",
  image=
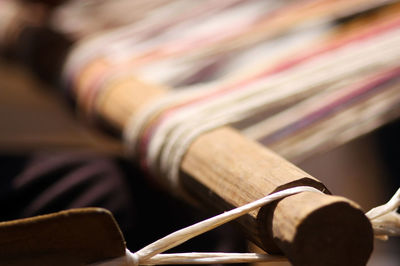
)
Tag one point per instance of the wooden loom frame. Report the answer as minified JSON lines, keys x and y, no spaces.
{"x":228,"y":169}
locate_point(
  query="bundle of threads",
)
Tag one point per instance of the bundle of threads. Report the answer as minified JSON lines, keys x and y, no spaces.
{"x":298,"y":76}
{"x":290,"y":75}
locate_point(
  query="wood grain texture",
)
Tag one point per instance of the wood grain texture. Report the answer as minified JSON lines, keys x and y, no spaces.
{"x":326,"y":230}
{"x":224,"y":168}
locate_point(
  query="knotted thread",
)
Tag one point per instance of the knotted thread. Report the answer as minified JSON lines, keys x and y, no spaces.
{"x":385,"y":221}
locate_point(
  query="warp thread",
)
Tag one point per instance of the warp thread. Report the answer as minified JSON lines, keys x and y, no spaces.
{"x":321,"y":72}
{"x":179,"y":118}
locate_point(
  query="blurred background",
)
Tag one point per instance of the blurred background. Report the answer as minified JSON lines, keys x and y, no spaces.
{"x":46,"y":148}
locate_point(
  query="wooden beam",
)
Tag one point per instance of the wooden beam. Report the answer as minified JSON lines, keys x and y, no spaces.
{"x":225,"y":169}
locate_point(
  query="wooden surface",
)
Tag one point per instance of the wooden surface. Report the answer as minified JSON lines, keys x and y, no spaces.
{"x":288,"y":221}
{"x":322,"y":224}
{"x":35,"y":119}
{"x":226,"y":169}
{"x":230,"y":170}
{"x":67,"y":238}
{"x":223,"y":167}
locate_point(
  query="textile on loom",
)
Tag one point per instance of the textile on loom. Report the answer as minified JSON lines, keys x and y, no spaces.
{"x":300,"y":77}
{"x":293,"y":63}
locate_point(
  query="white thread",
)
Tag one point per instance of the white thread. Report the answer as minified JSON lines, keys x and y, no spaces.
{"x":169,"y":142}
{"x":381,"y":217}
{"x":150,"y":255}
{"x":136,"y":123}
{"x":210,"y":258}
{"x":385,"y":219}
{"x":132,"y":258}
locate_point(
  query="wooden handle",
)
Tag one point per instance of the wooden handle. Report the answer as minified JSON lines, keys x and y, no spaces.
{"x":226,"y":169}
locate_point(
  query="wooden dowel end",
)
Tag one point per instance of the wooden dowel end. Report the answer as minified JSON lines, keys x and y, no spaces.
{"x":317,"y":229}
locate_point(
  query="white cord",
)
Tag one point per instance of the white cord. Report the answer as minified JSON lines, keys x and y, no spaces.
{"x":150,"y":255}
{"x":385,"y":221}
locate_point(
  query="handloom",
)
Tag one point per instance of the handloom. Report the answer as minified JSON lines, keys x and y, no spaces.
{"x":288,"y":75}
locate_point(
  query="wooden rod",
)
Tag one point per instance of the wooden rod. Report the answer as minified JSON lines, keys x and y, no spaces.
{"x":225,"y":169}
